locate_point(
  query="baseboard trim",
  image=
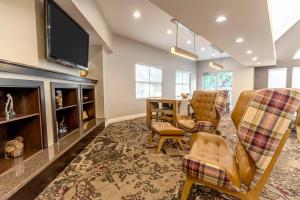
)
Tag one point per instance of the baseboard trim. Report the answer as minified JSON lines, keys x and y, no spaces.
{"x":124,"y":118}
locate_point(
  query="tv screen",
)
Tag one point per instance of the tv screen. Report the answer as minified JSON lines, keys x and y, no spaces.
{"x":67,"y":42}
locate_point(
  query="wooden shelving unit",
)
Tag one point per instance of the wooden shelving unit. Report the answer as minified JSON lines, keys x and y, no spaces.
{"x":70,"y":110}
{"x":88,"y":103}
{"x":29,"y":121}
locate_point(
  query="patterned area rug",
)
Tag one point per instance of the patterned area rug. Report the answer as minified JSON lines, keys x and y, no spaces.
{"x":121,"y":163}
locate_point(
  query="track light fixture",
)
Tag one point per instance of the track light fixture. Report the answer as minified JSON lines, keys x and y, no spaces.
{"x":213,"y":64}
{"x":181,"y":52}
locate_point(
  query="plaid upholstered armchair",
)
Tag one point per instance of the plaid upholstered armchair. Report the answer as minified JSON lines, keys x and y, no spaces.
{"x":208,"y":107}
{"x":297,"y":125}
{"x":262,"y":119}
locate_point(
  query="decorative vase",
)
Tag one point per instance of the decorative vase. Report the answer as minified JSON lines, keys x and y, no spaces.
{"x":84,"y":73}
{"x":59,"y":99}
{"x":14,"y":148}
{"x":85,"y":115}
{"x":185,"y":95}
{"x":9,"y":107}
{"x":62,"y":129}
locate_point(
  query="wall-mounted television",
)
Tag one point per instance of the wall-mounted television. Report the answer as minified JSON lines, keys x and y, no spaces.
{"x":67,"y":42}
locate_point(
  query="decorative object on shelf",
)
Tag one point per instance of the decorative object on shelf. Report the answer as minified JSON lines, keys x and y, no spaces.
{"x":185,"y":95}
{"x":84,"y":73}
{"x":9,"y":107}
{"x":62,"y":129}
{"x":59,"y":99}
{"x":85,"y":125}
{"x":14,"y":148}
{"x":85,"y":115}
{"x":85,"y":98}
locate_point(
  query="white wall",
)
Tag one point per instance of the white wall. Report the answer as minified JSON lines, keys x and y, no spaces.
{"x":119,"y":75}
{"x":243,"y":77}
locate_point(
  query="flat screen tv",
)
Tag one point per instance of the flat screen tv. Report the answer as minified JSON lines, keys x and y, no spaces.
{"x":67,"y":42}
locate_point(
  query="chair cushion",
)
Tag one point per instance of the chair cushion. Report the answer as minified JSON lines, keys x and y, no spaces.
{"x":245,"y":165}
{"x":212,"y":161}
{"x":187,"y":123}
{"x":166,"y":129}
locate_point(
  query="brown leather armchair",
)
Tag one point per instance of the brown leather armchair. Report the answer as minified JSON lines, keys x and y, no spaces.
{"x":212,"y":163}
{"x":208,"y":107}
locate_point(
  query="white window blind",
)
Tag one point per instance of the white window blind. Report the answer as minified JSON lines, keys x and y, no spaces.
{"x":148,"y":81}
{"x":183,"y":82}
{"x":277,"y":78}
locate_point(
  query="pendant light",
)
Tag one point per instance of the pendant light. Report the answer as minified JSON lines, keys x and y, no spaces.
{"x":213,"y":64}
{"x":181,"y":52}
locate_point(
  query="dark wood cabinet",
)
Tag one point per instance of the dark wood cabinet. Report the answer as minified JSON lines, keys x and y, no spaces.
{"x":29,"y":121}
{"x":68,"y":114}
{"x":88,"y":106}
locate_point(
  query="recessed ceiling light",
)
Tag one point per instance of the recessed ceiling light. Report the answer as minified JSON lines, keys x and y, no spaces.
{"x":254,"y":58}
{"x":239,"y":40}
{"x":249,"y":52}
{"x":189,"y":42}
{"x":136,"y":14}
{"x":221,"y":19}
{"x":169,"y":31}
{"x":202,"y":49}
{"x":258,"y":63}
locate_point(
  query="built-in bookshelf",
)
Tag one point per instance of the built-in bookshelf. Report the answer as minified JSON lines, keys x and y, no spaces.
{"x":87,"y":105}
{"x":28,"y":122}
{"x":67,"y":114}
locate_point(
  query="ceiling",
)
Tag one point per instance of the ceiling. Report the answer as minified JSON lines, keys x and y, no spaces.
{"x":151,"y":27}
{"x":284,"y":15}
{"x":248,"y":19}
{"x":287,"y":46}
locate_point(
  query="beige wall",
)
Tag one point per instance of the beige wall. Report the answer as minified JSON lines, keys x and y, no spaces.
{"x":243,"y":77}
{"x":93,"y":15}
{"x":119,"y":75}
{"x":261,"y":76}
{"x":18,"y":41}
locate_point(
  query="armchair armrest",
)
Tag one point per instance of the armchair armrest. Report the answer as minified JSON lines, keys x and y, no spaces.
{"x":298,"y":133}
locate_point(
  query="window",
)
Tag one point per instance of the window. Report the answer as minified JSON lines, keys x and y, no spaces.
{"x":183,"y":82}
{"x":148,"y":81}
{"x":296,"y":78}
{"x":277,"y":78}
{"x":218,"y":81}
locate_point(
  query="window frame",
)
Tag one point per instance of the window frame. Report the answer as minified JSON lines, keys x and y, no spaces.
{"x":148,"y":82}
{"x":217,"y":73}
{"x":189,"y":84}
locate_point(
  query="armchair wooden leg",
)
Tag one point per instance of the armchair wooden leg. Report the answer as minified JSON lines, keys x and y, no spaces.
{"x":152,"y":136}
{"x":161,"y":142}
{"x":186,"y":188}
{"x":180,"y":143}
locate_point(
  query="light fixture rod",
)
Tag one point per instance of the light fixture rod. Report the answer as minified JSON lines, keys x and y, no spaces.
{"x":176,"y":32}
{"x":194,"y":43}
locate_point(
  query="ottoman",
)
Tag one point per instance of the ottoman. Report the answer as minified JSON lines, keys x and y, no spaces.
{"x":165,"y":131}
